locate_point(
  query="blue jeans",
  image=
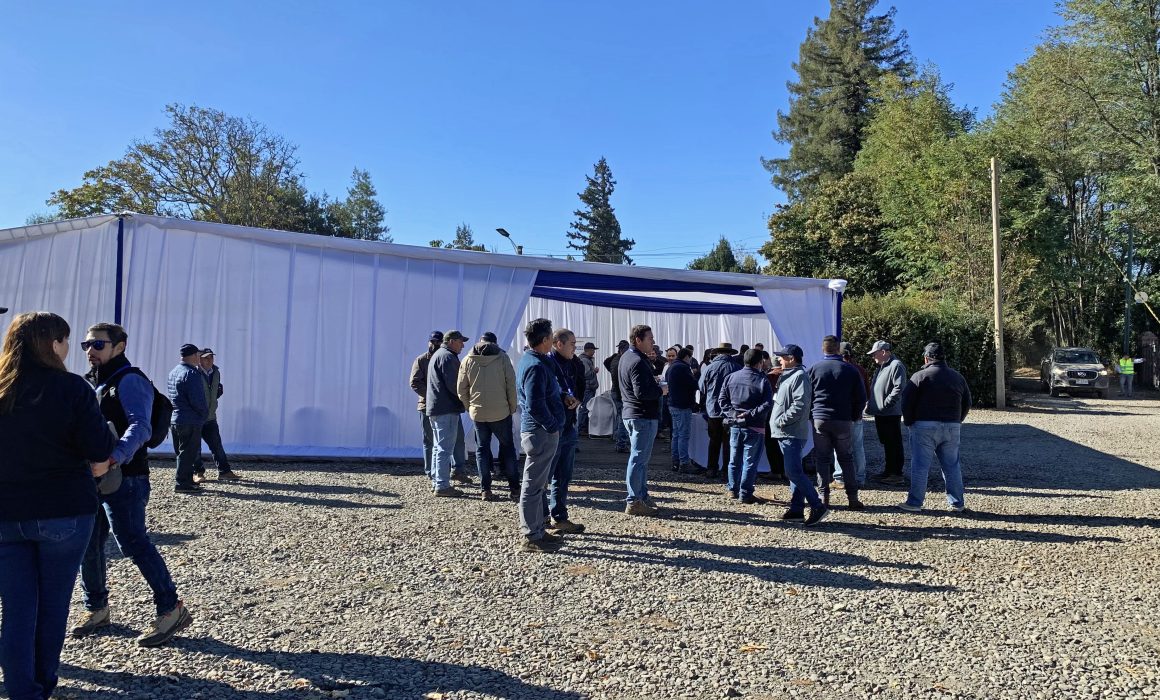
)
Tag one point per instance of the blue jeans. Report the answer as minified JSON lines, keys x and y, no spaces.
{"x":745,"y":450}
{"x":445,"y":430}
{"x":619,"y":431}
{"x":212,"y":436}
{"x":502,"y":430}
{"x":187,"y":446}
{"x":682,"y":423}
{"x":642,"y":432}
{"x":927,"y":439}
{"x":539,"y":452}
{"x":562,"y":467}
{"x":459,"y":456}
{"x":428,"y":441}
{"x":38,"y":568}
{"x":124,"y":515}
{"x":857,"y":429}
{"x":1126,"y":384}
{"x":801,"y":488}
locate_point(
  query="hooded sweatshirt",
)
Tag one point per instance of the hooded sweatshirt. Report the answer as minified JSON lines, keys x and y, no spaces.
{"x":487,"y":383}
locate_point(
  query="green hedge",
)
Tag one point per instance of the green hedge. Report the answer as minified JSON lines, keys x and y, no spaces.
{"x":910,"y":322}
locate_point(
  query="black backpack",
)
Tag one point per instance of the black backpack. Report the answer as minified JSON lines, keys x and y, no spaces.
{"x":160,"y":417}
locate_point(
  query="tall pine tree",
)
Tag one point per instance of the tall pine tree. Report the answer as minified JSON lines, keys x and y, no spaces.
{"x":596,"y":232}
{"x":840,"y":61}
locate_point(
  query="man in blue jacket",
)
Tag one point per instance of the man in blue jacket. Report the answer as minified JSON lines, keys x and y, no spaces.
{"x":682,"y":397}
{"x":839,"y":399}
{"x":712,"y":381}
{"x":935,"y":403}
{"x":642,"y":412}
{"x":444,"y":408}
{"x":746,"y":400}
{"x":190,"y":411}
{"x":541,"y":420}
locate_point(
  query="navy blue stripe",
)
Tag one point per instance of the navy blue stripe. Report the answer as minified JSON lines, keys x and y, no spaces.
{"x":625,"y":301}
{"x":615,"y":283}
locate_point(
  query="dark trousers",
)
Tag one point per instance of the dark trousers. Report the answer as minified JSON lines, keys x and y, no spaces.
{"x":212,"y":436}
{"x":889,"y":430}
{"x":718,"y":445}
{"x":832,"y":436}
{"x":502,"y":430}
{"x":187,"y":445}
{"x":773,"y":453}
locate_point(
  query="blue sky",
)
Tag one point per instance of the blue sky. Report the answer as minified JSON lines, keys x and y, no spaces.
{"x":484,"y":113}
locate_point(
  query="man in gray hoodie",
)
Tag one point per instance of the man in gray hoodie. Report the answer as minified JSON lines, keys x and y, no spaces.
{"x":444,"y":409}
{"x":790,"y":424}
{"x":885,"y":404}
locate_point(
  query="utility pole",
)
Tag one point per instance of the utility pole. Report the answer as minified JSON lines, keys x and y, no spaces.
{"x":1000,"y":388}
{"x":1128,"y":297}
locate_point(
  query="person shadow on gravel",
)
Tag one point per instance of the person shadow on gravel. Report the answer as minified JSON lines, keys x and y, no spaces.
{"x":364,"y":675}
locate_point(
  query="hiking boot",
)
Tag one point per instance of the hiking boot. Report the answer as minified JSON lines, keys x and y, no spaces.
{"x":568,"y":527}
{"x":892,"y":480}
{"x":753,"y":499}
{"x":792,"y":516}
{"x":449,"y":492}
{"x":543,"y":546}
{"x":488,"y":496}
{"x":552,"y":537}
{"x":92,"y":621}
{"x":166,"y":627}
{"x":855,"y":504}
{"x":228,"y":475}
{"x":639,"y":507}
{"x":909,"y":508}
{"x":648,"y":501}
{"x":188,"y":488}
{"x":817,"y":515}
{"x":461,"y":478}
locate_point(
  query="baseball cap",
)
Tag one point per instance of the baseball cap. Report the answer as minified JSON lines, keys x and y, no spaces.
{"x":189,"y":349}
{"x":455,"y":335}
{"x":489,"y":337}
{"x":622,"y":344}
{"x":790,"y":350}
{"x":934,"y":351}
{"x":206,"y":352}
{"x":435,"y":337}
{"x":590,"y":346}
{"x":880,"y":345}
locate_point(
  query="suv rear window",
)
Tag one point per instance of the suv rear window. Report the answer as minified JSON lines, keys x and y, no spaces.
{"x":1076,"y":357}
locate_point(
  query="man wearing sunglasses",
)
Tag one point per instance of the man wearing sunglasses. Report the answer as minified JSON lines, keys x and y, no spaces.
{"x":126,"y":398}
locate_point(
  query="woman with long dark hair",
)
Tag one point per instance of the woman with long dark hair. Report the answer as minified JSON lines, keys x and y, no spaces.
{"x":53,"y":442}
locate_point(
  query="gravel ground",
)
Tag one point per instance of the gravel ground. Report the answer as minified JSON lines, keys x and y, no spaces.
{"x":350,"y":580}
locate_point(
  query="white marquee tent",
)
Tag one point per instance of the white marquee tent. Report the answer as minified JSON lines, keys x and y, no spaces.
{"x":316,"y":335}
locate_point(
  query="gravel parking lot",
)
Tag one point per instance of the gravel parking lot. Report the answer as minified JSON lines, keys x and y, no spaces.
{"x":348,"y":579}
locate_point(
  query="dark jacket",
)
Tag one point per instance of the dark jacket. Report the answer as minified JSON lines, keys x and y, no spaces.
{"x":712,"y":381}
{"x":46,"y":443}
{"x":747,"y":390}
{"x":186,"y":387}
{"x":638,"y":387}
{"x":570,"y":375}
{"x":419,"y":378}
{"x":611,"y":363}
{"x":839,"y":393}
{"x":126,"y":400}
{"x":682,"y":385}
{"x":443,"y":383}
{"x":936,"y":393}
{"x":538,"y":391}
{"x":886,"y":388}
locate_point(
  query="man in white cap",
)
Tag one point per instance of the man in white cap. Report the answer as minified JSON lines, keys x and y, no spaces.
{"x":885,"y":404}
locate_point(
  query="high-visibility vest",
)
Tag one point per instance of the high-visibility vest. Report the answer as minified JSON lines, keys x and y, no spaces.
{"x":1127,"y":366}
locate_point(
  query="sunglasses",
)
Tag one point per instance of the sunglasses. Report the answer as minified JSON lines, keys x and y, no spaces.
{"x":97,"y":345}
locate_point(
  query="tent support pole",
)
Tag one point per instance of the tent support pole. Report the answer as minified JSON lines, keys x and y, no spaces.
{"x":120,"y":269}
{"x":839,"y":333}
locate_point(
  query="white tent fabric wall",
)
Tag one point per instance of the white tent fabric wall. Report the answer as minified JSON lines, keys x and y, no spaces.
{"x":802,"y":317}
{"x":608,"y":326}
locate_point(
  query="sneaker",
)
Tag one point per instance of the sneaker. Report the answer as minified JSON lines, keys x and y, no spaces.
{"x":543,"y":546}
{"x":817,"y":515}
{"x":92,"y":621}
{"x":732,"y":495}
{"x":488,"y":496}
{"x":228,"y":475}
{"x":639,"y":507}
{"x":909,"y":508}
{"x":461,"y":478}
{"x":793,"y":516}
{"x":856,"y":505}
{"x":960,"y":509}
{"x":836,"y":485}
{"x":568,"y":527}
{"x":188,"y":488}
{"x":449,"y":492}
{"x":166,"y":627}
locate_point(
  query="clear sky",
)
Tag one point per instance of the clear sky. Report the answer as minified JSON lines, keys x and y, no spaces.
{"x":488,"y":113}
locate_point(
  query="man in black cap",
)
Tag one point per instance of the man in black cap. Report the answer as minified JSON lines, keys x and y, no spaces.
{"x":591,"y":384}
{"x":190,"y":410}
{"x":419,"y":386}
{"x":712,"y":381}
{"x":612,"y":364}
{"x":935,"y":403}
{"x":445,"y":409}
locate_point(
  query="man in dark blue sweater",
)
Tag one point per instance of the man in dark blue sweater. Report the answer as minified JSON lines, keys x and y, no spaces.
{"x":682,"y":398}
{"x":839,"y":398}
{"x":642,"y":411}
{"x":747,"y":400}
{"x":190,"y":411}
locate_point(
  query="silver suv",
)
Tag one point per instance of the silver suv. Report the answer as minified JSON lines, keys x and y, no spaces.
{"x":1073,"y":370}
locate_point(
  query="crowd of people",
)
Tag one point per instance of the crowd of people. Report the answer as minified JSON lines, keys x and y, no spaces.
{"x":754,"y":403}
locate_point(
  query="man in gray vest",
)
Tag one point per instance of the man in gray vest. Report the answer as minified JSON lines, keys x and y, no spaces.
{"x":210,"y":432}
{"x":885,"y":404}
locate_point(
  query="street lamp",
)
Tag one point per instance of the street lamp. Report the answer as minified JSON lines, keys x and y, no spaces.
{"x":518,"y":248}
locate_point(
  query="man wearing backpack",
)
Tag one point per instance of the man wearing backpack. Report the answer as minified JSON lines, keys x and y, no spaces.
{"x":127,"y":401}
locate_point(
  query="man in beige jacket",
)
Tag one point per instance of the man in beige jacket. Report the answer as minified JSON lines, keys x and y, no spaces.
{"x":487,"y":386}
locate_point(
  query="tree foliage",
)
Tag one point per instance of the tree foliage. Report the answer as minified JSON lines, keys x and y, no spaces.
{"x":211,"y":166}
{"x":464,"y":240}
{"x":723,"y":258}
{"x":596,"y":231}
